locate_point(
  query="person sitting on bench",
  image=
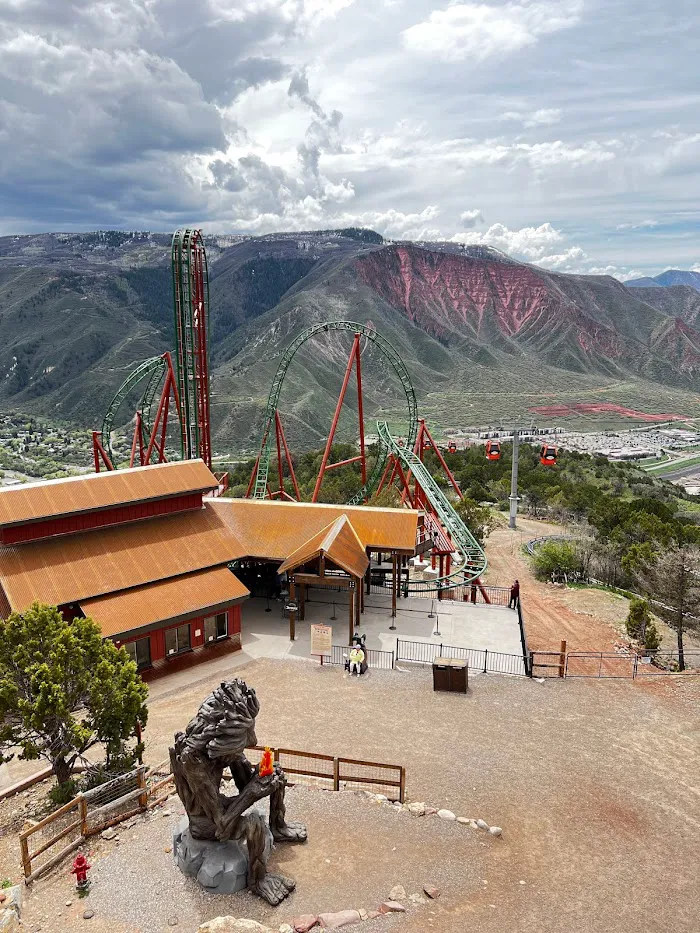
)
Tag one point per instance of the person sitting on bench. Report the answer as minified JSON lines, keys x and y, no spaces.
{"x":357,"y":659}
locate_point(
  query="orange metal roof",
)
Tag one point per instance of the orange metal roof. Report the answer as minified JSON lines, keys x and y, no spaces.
{"x":34,"y":501}
{"x":68,"y":569}
{"x":273,"y":530}
{"x":339,"y":543}
{"x":176,"y":599}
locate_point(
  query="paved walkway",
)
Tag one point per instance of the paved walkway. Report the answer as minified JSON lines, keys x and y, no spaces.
{"x":266,"y":634}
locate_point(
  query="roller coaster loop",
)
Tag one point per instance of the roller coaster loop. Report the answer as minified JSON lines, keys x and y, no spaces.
{"x":259,"y":487}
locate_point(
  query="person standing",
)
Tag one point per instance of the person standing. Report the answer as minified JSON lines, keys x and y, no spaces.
{"x":514,"y":595}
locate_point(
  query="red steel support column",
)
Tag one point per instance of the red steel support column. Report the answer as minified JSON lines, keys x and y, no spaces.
{"x":441,"y":459}
{"x":336,"y":416}
{"x":135,"y":441}
{"x":99,"y":453}
{"x":278,"y":423}
{"x":280,"y":468}
{"x":360,"y":412}
{"x":252,"y":477}
{"x":388,"y":466}
{"x":161,"y":446}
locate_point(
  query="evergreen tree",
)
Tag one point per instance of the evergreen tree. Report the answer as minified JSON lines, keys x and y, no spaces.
{"x":63,"y":690}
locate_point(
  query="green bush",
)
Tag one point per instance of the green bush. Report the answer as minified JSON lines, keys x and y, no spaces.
{"x":62,"y":793}
{"x":556,"y":559}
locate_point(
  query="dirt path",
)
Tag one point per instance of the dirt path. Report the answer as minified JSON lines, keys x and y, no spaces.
{"x":589,"y":620}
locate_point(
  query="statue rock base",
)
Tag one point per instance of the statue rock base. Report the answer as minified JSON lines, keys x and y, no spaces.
{"x":220,"y":867}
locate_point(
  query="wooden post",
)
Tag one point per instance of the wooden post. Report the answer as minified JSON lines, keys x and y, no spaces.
{"x":83,"y":808}
{"x":368,"y":577}
{"x":358,"y":598}
{"x":362,"y":593}
{"x":351,"y":615}
{"x":402,"y":788}
{"x":562,"y":658}
{"x":336,"y":774}
{"x":141,"y":782}
{"x":393,"y":585}
{"x":26,"y":861}
{"x":292,"y":615}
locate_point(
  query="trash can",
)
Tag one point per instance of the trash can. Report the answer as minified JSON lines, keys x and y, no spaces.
{"x":450,"y":674}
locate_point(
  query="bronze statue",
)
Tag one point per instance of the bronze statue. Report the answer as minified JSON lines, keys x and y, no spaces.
{"x":216,"y":739}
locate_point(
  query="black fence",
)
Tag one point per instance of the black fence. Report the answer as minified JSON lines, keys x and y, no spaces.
{"x":381,"y":660}
{"x":488,"y":662}
{"x":527,"y":657}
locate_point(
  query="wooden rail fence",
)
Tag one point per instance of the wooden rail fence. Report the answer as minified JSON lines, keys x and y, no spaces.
{"x":140,"y":790}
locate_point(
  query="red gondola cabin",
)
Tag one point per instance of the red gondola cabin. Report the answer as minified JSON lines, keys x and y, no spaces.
{"x":548,"y":455}
{"x":493,"y":450}
{"x":452,"y":447}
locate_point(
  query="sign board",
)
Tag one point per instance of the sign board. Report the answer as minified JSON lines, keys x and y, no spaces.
{"x":291,"y":606}
{"x":321,"y":639}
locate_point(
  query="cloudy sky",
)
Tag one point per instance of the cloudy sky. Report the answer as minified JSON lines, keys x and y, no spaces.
{"x":565,"y":132}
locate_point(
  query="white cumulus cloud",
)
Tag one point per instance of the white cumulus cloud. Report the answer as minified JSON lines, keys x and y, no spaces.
{"x":471,"y":218}
{"x":477,"y":31}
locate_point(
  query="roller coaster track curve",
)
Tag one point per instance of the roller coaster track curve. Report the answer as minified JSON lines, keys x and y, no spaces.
{"x":471,"y":560}
{"x":389,"y":354}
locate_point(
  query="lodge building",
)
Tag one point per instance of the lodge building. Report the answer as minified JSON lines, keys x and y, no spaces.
{"x":164,"y":568}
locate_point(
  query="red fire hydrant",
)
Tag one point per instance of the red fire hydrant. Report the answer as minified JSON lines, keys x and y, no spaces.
{"x":80,"y":869}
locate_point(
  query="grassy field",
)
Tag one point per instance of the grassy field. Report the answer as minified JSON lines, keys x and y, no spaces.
{"x":661,"y":469}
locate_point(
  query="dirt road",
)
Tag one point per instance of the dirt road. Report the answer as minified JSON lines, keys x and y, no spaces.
{"x":589,"y":620}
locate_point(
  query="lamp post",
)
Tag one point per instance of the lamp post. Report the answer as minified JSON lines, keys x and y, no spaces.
{"x":514,"y":480}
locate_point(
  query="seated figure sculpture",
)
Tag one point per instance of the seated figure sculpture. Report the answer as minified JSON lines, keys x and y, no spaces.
{"x":214,"y":740}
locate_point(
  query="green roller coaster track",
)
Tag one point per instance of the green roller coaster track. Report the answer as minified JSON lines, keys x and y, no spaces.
{"x":153,"y":370}
{"x":470,"y":560}
{"x":391,"y":356}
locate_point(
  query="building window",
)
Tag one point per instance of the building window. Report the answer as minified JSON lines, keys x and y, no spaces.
{"x":215,"y":627}
{"x":177,"y":639}
{"x":140,"y":652}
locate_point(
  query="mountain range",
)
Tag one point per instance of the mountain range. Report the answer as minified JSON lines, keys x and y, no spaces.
{"x":668,"y":279}
{"x":486,"y":339}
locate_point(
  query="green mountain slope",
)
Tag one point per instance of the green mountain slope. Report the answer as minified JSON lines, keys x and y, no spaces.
{"x":485,"y":338}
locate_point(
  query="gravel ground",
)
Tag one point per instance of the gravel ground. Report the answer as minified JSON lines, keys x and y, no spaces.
{"x":358,"y":851}
{"x":594,"y":783}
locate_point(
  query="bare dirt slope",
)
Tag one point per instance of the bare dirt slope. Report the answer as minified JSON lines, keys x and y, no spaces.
{"x":589,"y":620}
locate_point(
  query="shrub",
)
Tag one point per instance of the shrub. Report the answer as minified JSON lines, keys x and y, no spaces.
{"x":62,"y":793}
{"x":556,"y":559}
{"x":640,"y":626}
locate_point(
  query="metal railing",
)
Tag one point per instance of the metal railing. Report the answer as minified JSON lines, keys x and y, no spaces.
{"x":523,"y":638}
{"x":462,"y":593}
{"x":478,"y":659}
{"x":383,"y":660}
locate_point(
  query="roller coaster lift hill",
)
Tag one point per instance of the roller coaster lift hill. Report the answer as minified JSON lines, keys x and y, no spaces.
{"x":185,"y":384}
